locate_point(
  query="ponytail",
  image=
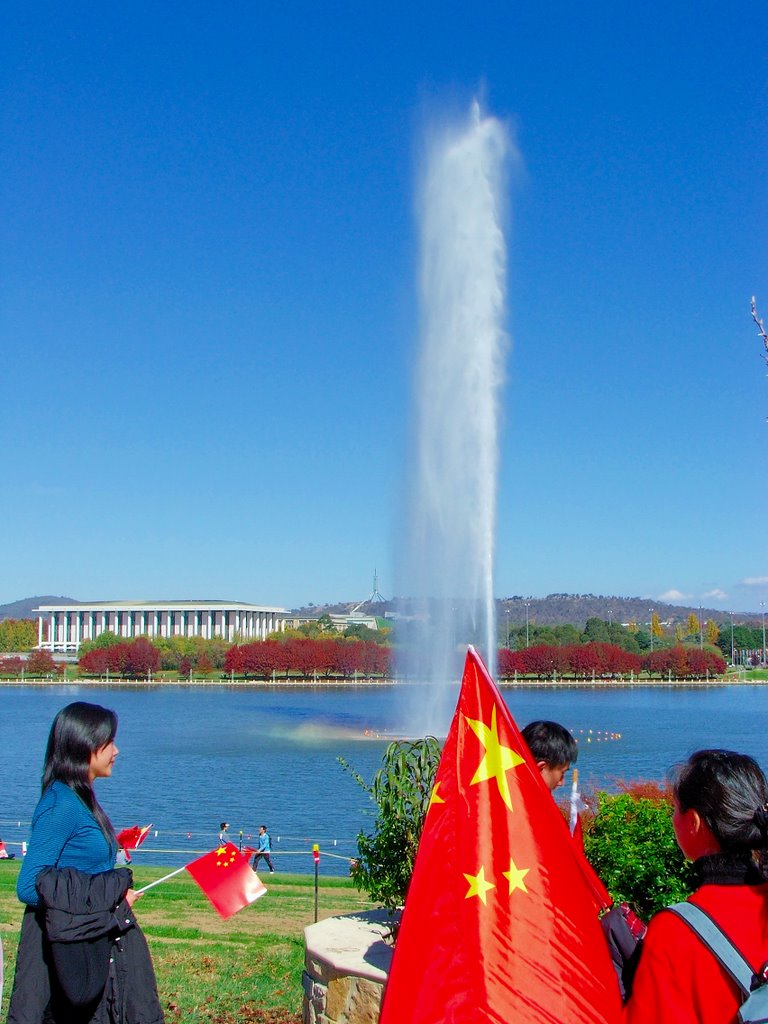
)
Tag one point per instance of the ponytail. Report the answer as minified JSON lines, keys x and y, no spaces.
{"x":730,"y":793}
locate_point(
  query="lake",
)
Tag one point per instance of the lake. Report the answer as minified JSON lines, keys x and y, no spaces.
{"x":191,"y":757}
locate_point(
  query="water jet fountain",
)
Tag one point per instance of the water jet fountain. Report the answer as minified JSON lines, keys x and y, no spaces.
{"x":452,"y":502}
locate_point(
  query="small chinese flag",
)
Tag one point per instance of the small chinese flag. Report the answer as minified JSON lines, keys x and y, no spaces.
{"x":499,"y":925}
{"x":227,"y":879}
{"x":131,"y":838}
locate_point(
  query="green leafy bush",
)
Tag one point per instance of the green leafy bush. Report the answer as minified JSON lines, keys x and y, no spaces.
{"x":401,"y":789}
{"x":631,"y":844}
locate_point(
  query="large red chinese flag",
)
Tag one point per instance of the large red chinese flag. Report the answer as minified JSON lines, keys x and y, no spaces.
{"x":499,"y":923}
{"x":227,"y":879}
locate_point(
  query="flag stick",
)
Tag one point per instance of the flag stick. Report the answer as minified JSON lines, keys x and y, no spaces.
{"x":574,"y":815}
{"x":159,"y":880}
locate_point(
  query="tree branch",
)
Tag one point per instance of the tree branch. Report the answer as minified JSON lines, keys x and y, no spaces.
{"x":760,"y":327}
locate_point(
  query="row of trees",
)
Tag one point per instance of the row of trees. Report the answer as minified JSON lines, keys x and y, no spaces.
{"x":632,"y":637}
{"x":745,"y":638}
{"x":132,"y":658}
{"x":307,"y":657}
{"x":292,"y":655}
{"x":175,"y":653}
{"x":342,"y":658}
{"x":651,"y":636}
{"x":196,"y":654}
{"x":39,"y":663}
{"x":603,"y":659}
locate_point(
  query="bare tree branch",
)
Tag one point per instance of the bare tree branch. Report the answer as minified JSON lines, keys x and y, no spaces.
{"x":760,"y":327}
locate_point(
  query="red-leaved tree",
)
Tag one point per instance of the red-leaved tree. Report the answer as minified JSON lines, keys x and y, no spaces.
{"x":41,"y":663}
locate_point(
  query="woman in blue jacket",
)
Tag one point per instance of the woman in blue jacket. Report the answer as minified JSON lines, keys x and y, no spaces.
{"x":71,"y":850}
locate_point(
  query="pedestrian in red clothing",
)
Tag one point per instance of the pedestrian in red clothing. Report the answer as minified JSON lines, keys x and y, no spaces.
{"x":721,"y":824}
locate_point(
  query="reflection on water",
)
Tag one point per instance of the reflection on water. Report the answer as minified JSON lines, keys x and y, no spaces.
{"x":319,"y":732}
{"x":193,"y":757}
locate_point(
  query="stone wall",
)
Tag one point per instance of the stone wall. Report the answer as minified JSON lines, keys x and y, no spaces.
{"x":345,"y":969}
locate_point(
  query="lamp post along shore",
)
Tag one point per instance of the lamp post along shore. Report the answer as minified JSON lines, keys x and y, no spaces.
{"x":701,"y":629}
{"x":732,"y":650}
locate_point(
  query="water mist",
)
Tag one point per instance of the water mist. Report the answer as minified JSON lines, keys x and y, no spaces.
{"x":452,"y":501}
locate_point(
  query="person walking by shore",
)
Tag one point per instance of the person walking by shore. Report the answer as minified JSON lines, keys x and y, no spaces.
{"x":264,"y":849}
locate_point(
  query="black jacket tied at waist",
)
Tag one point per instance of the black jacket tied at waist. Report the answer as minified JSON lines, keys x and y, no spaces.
{"x":82,"y":957}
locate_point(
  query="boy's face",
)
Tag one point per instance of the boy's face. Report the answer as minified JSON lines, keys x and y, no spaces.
{"x":553,"y":774}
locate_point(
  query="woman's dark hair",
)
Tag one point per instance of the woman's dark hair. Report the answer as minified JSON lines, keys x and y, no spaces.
{"x":78,"y":731}
{"x":730,"y":793}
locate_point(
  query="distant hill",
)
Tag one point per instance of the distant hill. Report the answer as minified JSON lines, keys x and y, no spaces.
{"x":24,"y":609}
{"x":559,"y":609}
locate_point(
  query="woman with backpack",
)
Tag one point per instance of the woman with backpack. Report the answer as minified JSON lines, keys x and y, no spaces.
{"x":691,"y":961}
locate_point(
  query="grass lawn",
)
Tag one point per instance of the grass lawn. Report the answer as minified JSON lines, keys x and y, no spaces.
{"x":246,"y":970}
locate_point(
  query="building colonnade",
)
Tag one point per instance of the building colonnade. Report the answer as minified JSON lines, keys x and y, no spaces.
{"x":65,"y":627}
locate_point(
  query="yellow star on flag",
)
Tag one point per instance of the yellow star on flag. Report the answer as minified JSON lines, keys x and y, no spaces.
{"x":478,"y":885}
{"x":434,"y":798}
{"x":498,"y":760}
{"x":515,"y":877}
{"x":224,"y":860}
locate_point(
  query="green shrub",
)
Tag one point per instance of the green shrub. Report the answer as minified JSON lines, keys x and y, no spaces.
{"x":401,"y":789}
{"x":631,"y":845}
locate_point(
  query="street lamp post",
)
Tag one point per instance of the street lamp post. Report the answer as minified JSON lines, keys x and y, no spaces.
{"x":701,"y":629}
{"x":732,"y":651}
{"x":762,"y":607}
{"x":650,"y":627}
{"x":527,"y":606}
{"x":506,"y":615}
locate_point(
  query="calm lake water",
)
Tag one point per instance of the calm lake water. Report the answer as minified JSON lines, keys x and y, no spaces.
{"x":192,"y":757}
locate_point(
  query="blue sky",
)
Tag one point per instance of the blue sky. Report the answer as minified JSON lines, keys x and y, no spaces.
{"x":208,"y":317}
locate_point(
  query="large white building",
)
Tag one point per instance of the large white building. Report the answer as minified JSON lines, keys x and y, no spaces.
{"x":63,"y":627}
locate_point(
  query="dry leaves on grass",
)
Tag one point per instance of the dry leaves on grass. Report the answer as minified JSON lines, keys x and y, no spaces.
{"x":249,"y":1015}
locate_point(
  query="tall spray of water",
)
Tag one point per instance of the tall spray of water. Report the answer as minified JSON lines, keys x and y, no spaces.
{"x":452,"y":503}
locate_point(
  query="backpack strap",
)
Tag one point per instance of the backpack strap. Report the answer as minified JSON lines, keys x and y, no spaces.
{"x":718,"y":943}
